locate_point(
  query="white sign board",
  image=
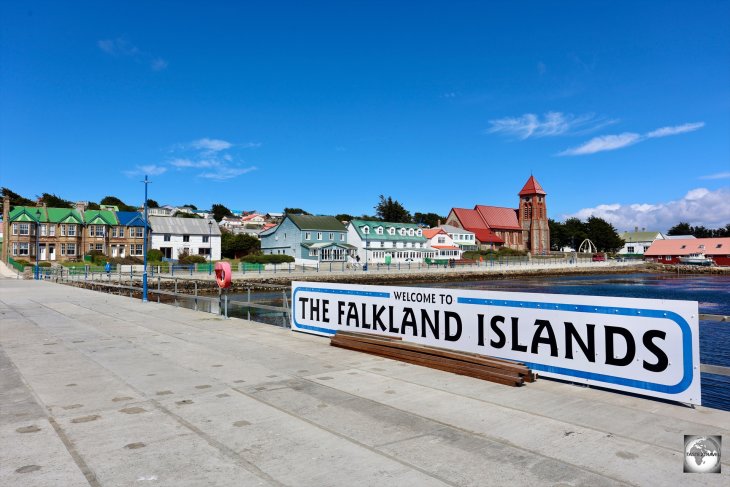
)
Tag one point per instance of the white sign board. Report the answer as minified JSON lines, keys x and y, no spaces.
{"x":643,"y":346}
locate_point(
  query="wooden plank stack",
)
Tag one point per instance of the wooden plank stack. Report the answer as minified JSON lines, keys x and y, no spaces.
{"x":463,"y":363}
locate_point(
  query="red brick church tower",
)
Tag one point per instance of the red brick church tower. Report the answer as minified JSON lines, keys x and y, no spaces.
{"x":533,"y":218}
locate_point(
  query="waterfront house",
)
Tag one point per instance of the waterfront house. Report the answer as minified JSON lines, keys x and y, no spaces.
{"x":193,"y":236}
{"x":56,"y":233}
{"x":669,"y":251}
{"x":464,"y":239}
{"x":523,"y":228}
{"x":442,"y":244}
{"x":127,"y":237}
{"x":387,"y":242}
{"x":637,"y":242}
{"x":309,"y":239}
{"x":98,"y":225}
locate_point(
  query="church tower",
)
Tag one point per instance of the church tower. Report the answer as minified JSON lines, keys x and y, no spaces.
{"x":533,"y":218}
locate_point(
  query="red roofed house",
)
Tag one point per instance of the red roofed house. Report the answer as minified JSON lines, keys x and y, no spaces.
{"x":669,"y":251}
{"x":442,"y":243}
{"x":524,"y":228}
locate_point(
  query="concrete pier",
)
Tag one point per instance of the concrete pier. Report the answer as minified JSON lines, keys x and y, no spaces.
{"x":104,"y":390}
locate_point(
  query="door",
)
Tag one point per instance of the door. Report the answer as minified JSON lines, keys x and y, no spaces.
{"x":42,"y":252}
{"x":51,"y":252}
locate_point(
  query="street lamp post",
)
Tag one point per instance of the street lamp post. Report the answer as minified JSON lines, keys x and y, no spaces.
{"x":144,"y":244}
{"x":365,"y":267}
{"x":210,"y":248}
{"x":37,"y":244}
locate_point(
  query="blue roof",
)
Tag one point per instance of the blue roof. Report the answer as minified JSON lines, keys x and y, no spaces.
{"x":130,"y":218}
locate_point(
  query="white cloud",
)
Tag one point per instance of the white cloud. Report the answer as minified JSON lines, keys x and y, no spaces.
{"x":223,"y":173}
{"x":551,"y":124}
{"x":699,"y":206}
{"x":121,"y":47}
{"x":678,"y":129}
{"x":603,"y":143}
{"x":214,"y":145}
{"x":719,"y":175}
{"x":149,"y":170}
{"x":183,"y":163}
{"x":612,"y":142}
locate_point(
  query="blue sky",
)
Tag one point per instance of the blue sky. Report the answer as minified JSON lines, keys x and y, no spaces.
{"x":620,"y":109}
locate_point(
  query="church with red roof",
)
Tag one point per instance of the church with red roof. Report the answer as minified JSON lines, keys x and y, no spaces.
{"x":524,"y":228}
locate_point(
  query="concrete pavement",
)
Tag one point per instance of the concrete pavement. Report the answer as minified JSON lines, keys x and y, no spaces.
{"x":103,"y":390}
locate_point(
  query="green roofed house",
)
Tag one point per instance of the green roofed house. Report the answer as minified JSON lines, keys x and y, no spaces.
{"x":388,"y":243}
{"x":55,"y":234}
{"x":638,"y":242}
{"x":309,"y":239}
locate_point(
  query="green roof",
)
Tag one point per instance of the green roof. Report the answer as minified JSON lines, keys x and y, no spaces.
{"x":100,"y":217}
{"x":312,"y":222}
{"x":48,"y":215}
{"x":639,"y":236}
{"x":374,"y":236}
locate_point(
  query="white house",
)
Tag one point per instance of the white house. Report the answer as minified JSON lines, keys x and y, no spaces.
{"x":254,"y":220}
{"x":388,"y":243}
{"x":462,"y":238}
{"x":231,"y":223}
{"x":636,"y":242}
{"x":442,"y":244}
{"x":195,"y":236}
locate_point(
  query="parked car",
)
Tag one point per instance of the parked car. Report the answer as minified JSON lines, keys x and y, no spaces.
{"x":599,"y":258}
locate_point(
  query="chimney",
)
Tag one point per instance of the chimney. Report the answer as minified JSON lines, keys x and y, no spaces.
{"x":438,"y":222}
{"x":6,"y":227}
{"x":81,"y":207}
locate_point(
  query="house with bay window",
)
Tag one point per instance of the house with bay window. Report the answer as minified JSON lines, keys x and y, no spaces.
{"x":54,"y":233}
{"x":442,"y":244}
{"x":387,"y":242}
{"x":309,"y":239}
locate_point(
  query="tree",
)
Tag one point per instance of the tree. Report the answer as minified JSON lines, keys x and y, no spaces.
{"x":152,"y":204}
{"x":575,"y":232}
{"x":295,"y":211}
{"x":603,"y":235}
{"x":114,"y":201}
{"x":236,"y":246}
{"x":16,"y":199}
{"x":185,"y":214}
{"x":93,"y":206}
{"x":53,"y":201}
{"x":220,"y":211}
{"x":681,"y":228}
{"x":344,"y":217}
{"x":430,"y":219}
{"x":192,"y":207}
{"x":390,"y":210}
{"x":559,"y":238}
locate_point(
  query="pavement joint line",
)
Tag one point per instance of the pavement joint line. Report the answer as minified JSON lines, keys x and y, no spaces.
{"x":517,"y":408}
{"x":463,"y":430}
{"x":346,"y":438}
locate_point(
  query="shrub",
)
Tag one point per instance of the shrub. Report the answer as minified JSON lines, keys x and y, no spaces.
{"x":44,"y":264}
{"x":154,"y":255}
{"x":127,"y":260}
{"x":268,"y":259}
{"x":192,"y":259}
{"x":97,"y":257}
{"x":22,"y":262}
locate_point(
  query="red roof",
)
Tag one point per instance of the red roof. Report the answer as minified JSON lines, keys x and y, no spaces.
{"x":707,"y":246}
{"x":485,"y":235}
{"x":532,"y":187}
{"x":500,"y":218}
{"x":432,"y":232}
{"x":473,"y":221}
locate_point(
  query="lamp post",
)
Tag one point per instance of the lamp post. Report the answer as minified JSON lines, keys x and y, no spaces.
{"x":144,"y":244}
{"x":37,"y":244}
{"x":365,"y":267}
{"x":210,"y":248}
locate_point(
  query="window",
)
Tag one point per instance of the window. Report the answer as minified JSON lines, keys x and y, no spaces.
{"x":702,"y":247}
{"x":441,"y":239}
{"x":166,"y":237}
{"x":186,"y":238}
{"x":342,"y":237}
{"x":24,"y":229}
{"x":114,"y":232}
{"x":683,"y":247}
{"x":204,"y":251}
{"x":332,"y":236}
{"x":402,"y":232}
{"x":308,"y":236}
{"x":99,"y":232}
{"x":411,"y":232}
{"x":121,"y":232}
{"x":51,"y":230}
{"x":419,"y":232}
{"x":718,"y":246}
{"x":100,"y":247}
{"x":313,"y":252}
{"x":136,"y":249}
{"x":139,"y":232}
{"x":72,"y":230}
{"x":205,"y":239}
{"x":43,"y":230}
{"x":379,"y":230}
{"x":366,"y":230}
{"x":21,"y":248}
{"x":391,"y":231}
{"x":319,"y":235}
{"x":70,"y":249}
{"x":63,"y":249}
{"x":630,"y":250}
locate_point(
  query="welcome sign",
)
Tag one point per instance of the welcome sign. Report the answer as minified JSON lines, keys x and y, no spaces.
{"x":644,"y":346}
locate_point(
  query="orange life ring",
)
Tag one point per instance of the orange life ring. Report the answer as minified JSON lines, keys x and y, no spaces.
{"x":223,"y":274}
